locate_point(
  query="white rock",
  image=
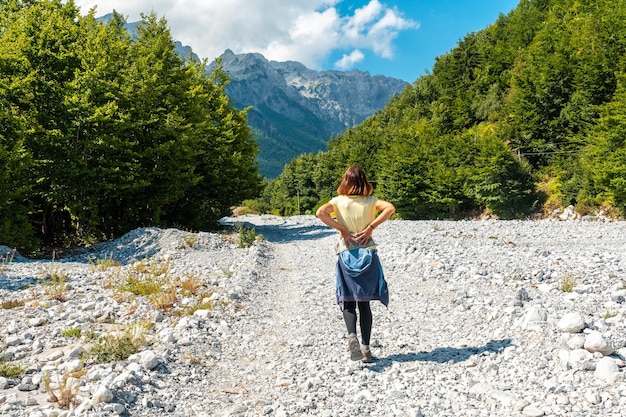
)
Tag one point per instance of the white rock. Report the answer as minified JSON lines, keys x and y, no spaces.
{"x":149,"y":359}
{"x":504,"y":397}
{"x":14,"y":341}
{"x":594,"y":342}
{"x":202,"y":313}
{"x":37,"y":321}
{"x":481,"y":388}
{"x":224,"y":329}
{"x":73,"y":365}
{"x":88,"y":306}
{"x":578,"y":357}
{"x":534,"y":316}
{"x":592,"y":397}
{"x":102,"y":395}
{"x":533,"y":411}
{"x":54,"y":355}
{"x":571,"y":323}
{"x":576,"y":341}
{"x":520,"y":405}
{"x":607,"y":370}
{"x":31,"y":401}
{"x":431,"y":360}
{"x":76,"y":352}
{"x":115,"y":408}
{"x":13,"y":327}
{"x":134,"y":367}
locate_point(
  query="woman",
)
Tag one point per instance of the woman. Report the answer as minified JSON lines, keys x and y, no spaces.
{"x":360,"y":276}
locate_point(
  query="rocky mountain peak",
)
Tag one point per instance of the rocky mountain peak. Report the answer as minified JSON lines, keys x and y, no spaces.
{"x":297,"y":109}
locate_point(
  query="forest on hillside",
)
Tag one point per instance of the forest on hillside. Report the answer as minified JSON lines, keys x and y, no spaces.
{"x":101,"y":132}
{"x":522,"y":118}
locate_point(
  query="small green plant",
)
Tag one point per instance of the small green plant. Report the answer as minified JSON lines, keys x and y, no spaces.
{"x":57,"y":287}
{"x":72,"y":332}
{"x":247,"y":236}
{"x":164,"y":300}
{"x":10,"y":369}
{"x":227,"y":272}
{"x":568,"y":283}
{"x":9,"y":304}
{"x":104,"y":263}
{"x":119,"y":345}
{"x":145,"y":278}
{"x":189,"y":310}
{"x":69,"y":385}
{"x":190,"y":239}
{"x":88,"y":334}
{"x":608,"y":314}
{"x":190,"y":285}
{"x":139,"y":285}
{"x":152,"y":267}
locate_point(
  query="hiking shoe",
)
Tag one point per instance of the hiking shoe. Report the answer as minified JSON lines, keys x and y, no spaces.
{"x":355,"y":348}
{"x":367,"y":356}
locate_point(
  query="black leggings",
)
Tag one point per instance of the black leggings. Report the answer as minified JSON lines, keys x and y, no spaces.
{"x":365,"y":319}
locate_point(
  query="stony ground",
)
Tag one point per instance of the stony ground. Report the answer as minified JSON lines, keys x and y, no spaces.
{"x":487,"y":318}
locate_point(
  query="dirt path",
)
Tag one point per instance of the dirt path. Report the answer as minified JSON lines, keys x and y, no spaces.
{"x":291,"y":330}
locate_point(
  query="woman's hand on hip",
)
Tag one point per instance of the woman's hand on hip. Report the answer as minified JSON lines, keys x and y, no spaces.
{"x":364,"y":235}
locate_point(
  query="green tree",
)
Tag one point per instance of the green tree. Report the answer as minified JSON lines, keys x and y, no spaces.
{"x":603,"y":160}
{"x":40,"y":37}
{"x":15,"y":227}
{"x":225,"y":159}
{"x":15,"y":160}
{"x":495,"y":180}
{"x":421,"y":172}
{"x":106,"y":133}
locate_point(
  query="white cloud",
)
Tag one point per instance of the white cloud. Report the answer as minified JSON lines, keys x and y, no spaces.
{"x":348,"y":61}
{"x":307,"y":31}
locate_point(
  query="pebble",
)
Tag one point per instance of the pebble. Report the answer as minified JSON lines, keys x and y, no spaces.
{"x":479,"y":324}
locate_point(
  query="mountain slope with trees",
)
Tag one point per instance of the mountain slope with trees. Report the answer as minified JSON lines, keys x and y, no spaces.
{"x":101,"y":133}
{"x":526,"y":116}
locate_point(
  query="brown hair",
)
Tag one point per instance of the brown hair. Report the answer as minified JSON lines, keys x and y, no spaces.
{"x":354,"y":182}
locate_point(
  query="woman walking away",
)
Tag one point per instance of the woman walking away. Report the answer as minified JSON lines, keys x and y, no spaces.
{"x":360,"y":276}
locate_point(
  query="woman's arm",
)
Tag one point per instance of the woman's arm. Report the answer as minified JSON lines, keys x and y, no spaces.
{"x":323,"y":213}
{"x":386,"y":210}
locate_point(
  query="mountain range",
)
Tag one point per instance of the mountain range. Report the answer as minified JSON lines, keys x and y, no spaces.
{"x":296,"y":110}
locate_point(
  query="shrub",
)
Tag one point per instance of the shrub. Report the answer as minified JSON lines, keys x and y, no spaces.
{"x":190,"y":239}
{"x":120,"y":345}
{"x":57,"y":287}
{"x":9,"y":304}
{"x":104,"y":263}
{"x":72,"y":332}
{"x":568,"y":283}
{"x":247,"y":236}
{"x":10,"y":369}
{"x":69,"y":386}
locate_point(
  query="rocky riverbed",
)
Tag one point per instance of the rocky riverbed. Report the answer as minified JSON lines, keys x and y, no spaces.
{"x":486,"y":318}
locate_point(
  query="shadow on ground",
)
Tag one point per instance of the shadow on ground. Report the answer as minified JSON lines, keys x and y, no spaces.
{"x":286,"y":232}
{"x":442,"y":355}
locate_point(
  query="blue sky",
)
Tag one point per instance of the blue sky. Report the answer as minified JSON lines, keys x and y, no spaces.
{"x":396,"y":38}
